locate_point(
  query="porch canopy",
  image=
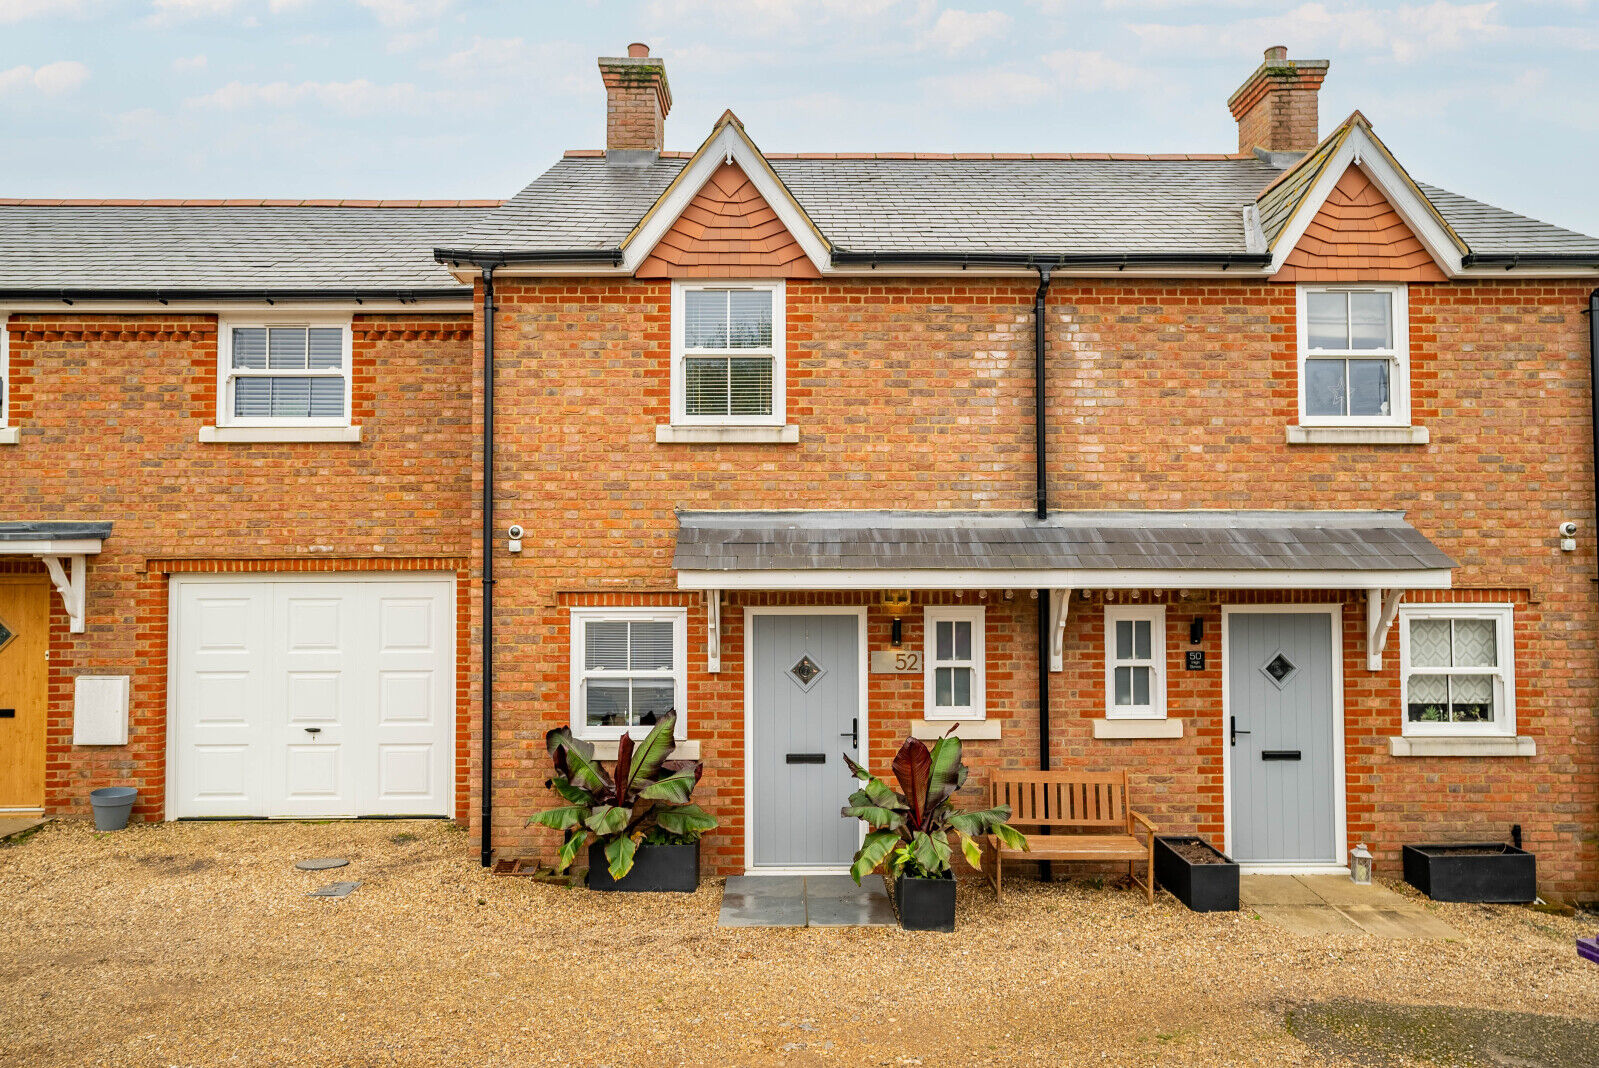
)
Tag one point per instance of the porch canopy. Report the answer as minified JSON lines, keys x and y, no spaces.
{"x":883,"y":549}
{"x":62,"y":547}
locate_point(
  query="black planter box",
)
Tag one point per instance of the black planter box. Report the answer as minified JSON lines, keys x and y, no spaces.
{"x":1443,"y":872}
{"x":1202,"y":887}
{"x":656,"y":868}
{"x":925,"y":904}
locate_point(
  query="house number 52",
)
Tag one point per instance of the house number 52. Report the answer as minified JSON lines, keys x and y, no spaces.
{"x":896,"y":661}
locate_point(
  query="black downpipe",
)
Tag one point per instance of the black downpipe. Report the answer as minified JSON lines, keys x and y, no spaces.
{"x":487,"y":817}
{"x":1041,"y":509}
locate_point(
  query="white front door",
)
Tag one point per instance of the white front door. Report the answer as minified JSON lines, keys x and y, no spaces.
{"x":311,"y":696}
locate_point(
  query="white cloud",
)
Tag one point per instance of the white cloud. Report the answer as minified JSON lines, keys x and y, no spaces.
{"x":955,"y":30}
{"x":187,"y":63}
{"x":182,"y":10}
{"x":405,"y":12}
{"x":51,"y":79}
{"x":358,"y":98}
{"x":19,"y":10}
{"x":1404,"y":33}
{"x":991,"y":88}
{"x":1091,"y":71}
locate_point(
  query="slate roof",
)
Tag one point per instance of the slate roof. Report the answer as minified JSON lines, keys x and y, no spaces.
{"x":1085,"y":540}
{"x":32,"y":530}
{"x":1031,"y":205}
{"x":222,"y":245}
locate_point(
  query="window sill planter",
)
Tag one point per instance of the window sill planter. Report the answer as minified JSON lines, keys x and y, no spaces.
{"x":1488,"y":872}
{"x":925,"y":904}
{"x":1203,"y":885}
{"x":656,"y":869}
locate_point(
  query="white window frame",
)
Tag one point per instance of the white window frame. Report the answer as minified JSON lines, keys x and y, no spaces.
{"x":8,"y":434}
{"x":779,"y":412}
{"x":932,"y":615}
{"x":1155,"y":615}
{"x":1398,"y":357}
{"x":1504,"y":674}
{"x":227,"y":373}
{"x":580,"y":618}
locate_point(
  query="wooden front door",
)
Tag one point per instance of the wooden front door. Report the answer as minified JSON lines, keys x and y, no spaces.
{"x":24,"y":647}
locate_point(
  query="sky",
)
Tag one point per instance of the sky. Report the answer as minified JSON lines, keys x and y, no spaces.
{"x":474,"y":98}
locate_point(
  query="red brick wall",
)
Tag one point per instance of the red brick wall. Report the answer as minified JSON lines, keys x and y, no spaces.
{"x":113,"y":407}
{"x":1164,"y":394}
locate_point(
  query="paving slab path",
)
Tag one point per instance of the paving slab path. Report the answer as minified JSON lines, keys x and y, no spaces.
{"x":805,"y":901}
{"x":1332,"y":905}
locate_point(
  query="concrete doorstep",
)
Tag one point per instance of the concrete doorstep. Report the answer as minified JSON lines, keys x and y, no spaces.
{"x":11,"y":826}
{"x":805,"y":901}
{"x":1315,"y":905}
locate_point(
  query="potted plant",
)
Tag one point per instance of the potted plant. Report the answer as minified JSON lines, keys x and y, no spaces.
{"x":910,"y":830}
{"x":645,"y":832}
{"x":1472,"y":871}
{"x":1197,"y":874}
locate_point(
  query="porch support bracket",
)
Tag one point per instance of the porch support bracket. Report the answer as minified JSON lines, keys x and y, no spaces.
{"x":713,"y":631}
{"x":1060,"y":606}
{"x":1382,"y":607}
{"x":70,"y":585}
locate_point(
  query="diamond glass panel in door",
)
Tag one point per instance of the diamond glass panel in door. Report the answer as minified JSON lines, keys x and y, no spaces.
{"x":1454,"y":670}
{"x":6,"y":634}
{"x":629,"y":667}
{"x":727,"y":340}
{"x":1279,"y":669}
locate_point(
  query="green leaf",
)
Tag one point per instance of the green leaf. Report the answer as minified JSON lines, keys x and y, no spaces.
{"x":653,"y":751}
{"x":871,"y":853}
{"x":560,"y":819}
{"x":945,"y":773}
{"x":570,"y":849}
{"x":619,"y":856}
{"x":607,"y":820}
{"x":971,"y":851}
{"x":684,"y":819}
{"x":676,"y":788}
{"x":584,"y":770}
{"x":575,"y":794}
{"x":1012,"y":838}
{"x":931,"y":852}
{"x":874,"y":816}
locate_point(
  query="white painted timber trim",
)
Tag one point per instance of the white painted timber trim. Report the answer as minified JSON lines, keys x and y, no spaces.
{"x":48,"y":547}
{"x":1358,"y":435}
{"x":89,"y":306}
{"x":1443,"y":746}
{"x":667,"y":434}
{"x":70,"y":582}
{"x":713,"y":631}
{"x":967,"y":730}
{"x":1382,"y":608}
{"x":9,"y":435}
{"x":1060,"y":607}
{"x":1108,"y":579}
{"x":605,"y":749}
{"x":1138,"y":728}
{"x":237,"y":435}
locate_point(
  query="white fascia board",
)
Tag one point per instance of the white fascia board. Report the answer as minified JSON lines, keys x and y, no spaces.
{"x":1106,"y":579}
{"x":52,"y":547}
{"x":256,"y":307}
{"x":904,"y":270}
{"x":1375,"y":161}
{"x":729,"y":144}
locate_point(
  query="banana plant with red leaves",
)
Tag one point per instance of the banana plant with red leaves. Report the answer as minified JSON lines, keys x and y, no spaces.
{"x":643,"y":799}
{"x":910,"y":827}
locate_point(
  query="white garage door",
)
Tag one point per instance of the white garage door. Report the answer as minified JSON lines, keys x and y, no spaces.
{"x":311,"y":695}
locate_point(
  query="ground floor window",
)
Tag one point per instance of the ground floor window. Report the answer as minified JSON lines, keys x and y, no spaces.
{"x":1135,"y":661}
{"x":953,"y":662}
{"x":1458,"y":669}
{"x":627,"y":669}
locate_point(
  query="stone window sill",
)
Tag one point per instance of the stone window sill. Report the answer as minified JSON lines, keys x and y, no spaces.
{"x":667,"y":434}
{"x":1358,"y":435}
{"x":1138,"y":728}
{"x":10,"y":435}
{"x":605,"y":749}
{"x":1442,"y":746}
{"x":967,"y":730}
{"x":271,"y":435}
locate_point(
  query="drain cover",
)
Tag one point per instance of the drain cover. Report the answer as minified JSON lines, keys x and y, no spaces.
{"x":334,"y":890}
{"x":321,"y":863}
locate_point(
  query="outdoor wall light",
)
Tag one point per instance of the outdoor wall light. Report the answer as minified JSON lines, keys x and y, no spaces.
{"x":897,"y":633}
{"x":897,"y":602}
{"x":1360,"y":865}
{"x":1196,"y":630}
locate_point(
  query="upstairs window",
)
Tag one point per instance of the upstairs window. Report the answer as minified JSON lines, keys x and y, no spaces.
{"x":727,"y":354}
{"x":1353,"y":367}
{"x":285,"y":374}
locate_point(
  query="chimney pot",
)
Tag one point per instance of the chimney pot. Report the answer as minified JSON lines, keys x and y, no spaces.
{"x":1276,"y":106}
{"x":637,"y":98}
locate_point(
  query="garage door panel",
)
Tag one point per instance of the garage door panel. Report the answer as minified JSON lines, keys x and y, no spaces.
{"x":338,"y":693}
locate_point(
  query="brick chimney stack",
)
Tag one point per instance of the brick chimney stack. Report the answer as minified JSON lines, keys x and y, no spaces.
{"x":1276,"y":105}
{"x":637,"y":99}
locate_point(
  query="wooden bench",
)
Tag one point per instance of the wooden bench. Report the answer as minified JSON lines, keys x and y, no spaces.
{"x":1091,"y":810}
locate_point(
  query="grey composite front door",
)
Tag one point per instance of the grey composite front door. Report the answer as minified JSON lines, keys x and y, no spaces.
{"x":1280,"y":697}
{"x":805,"y":696}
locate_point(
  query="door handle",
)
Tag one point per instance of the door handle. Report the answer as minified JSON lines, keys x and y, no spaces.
{"x":313,"y":730}
{"x":1235,"y":731}
{"x":853,"y":734}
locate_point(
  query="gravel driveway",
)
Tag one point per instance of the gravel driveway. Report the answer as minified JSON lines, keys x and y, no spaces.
{"x":194,"y":944}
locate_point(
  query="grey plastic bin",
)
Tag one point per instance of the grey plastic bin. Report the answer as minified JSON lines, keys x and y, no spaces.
{"x":111,"y":806}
